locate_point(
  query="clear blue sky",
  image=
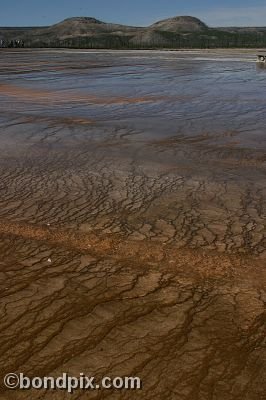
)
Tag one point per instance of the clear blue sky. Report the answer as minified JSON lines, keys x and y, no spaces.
{"x":133,"y":12}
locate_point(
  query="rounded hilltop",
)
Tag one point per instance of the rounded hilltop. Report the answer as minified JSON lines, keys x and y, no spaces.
{"x":85,"y":26}
{"x":90,"y":20}
{"x":76,"y":27}
{"x":181,"y":24}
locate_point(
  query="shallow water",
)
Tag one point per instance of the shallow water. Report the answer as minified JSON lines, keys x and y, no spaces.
{"x":140,"y":176}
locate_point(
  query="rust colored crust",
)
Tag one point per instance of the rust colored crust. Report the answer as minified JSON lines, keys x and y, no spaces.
{"x":116,"y":247}
{"x":46,"y":96}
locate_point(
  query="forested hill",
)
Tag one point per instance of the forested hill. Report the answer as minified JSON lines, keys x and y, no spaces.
{"x":178,"y":32}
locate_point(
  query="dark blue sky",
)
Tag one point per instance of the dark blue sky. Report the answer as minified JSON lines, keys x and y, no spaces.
{"x":134,"y":12}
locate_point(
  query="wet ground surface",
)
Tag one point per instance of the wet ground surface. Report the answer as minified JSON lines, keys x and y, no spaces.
{"x":132,"y":221}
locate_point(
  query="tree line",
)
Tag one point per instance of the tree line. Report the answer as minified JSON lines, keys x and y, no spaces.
{"x":207,"y":39}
